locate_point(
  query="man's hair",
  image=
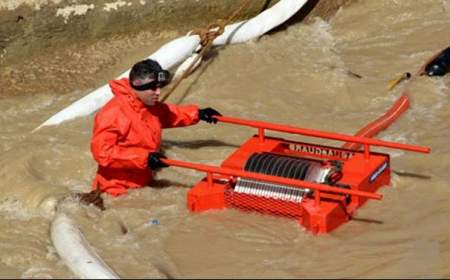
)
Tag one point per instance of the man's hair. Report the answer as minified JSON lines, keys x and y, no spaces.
{"x":144,"y":69}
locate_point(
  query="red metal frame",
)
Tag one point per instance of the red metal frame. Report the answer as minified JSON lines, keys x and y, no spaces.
{"x":364,"y":172}
{"x":367,"y":142}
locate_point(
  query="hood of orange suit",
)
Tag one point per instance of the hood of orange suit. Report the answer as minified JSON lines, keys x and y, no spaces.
{"x":122,"y":89}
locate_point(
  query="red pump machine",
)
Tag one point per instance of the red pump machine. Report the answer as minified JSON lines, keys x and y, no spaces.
{"x":319,"y":186}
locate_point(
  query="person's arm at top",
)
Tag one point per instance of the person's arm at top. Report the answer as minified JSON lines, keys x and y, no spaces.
{"x":176,"y":116}
{"x":172,"y":115}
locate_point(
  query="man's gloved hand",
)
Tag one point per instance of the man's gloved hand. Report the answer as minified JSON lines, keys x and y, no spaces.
{"x":154,"y":161}
{"x":207,"y":115}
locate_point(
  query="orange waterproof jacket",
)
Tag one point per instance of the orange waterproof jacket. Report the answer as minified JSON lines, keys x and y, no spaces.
{"x":125,"y":132}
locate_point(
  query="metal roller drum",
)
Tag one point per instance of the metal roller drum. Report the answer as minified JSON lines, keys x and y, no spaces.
{"x":282,"y":166}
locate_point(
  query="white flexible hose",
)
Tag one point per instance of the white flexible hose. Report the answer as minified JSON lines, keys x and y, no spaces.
{"x":76,"y":251}
{"x":185,"y":66}
{"x":255,"y":27}
{"x":179,"y":49}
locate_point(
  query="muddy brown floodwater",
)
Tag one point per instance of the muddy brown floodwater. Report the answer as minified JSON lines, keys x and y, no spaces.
{"x":300,"y":76}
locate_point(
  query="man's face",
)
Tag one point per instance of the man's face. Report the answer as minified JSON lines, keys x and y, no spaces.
{"x":149,"y":97}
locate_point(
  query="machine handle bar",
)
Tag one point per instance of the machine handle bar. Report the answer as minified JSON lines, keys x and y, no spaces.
{"x":323,"y":134}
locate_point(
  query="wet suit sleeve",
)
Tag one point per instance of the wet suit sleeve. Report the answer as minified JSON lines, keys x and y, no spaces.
{"x":109,"y":128}
{"x":171,"y":115}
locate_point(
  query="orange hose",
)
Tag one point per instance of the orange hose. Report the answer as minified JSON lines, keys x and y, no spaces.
{"x":400,"y":106}
{"x":383,"y":122}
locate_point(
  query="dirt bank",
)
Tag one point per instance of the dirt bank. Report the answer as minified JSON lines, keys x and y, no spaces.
{"x":62,"y":38}
{"x":28,"y":27}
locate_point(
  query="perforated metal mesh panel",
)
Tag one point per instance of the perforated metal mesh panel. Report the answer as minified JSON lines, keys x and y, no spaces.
{"x":274,"y":198}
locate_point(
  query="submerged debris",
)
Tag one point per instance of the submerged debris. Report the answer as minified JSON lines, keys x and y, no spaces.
{"x":93,"y":197}
{"x":353,"y":74}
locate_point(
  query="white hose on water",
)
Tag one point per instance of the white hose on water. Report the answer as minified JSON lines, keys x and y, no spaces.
{"x":180,"y":49}
{"x":76,"y":251}
{"x":69,"y":242}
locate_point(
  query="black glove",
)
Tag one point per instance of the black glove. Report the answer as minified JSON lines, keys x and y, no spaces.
{"x":154,"y":161}
{"x":207,"y":115}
